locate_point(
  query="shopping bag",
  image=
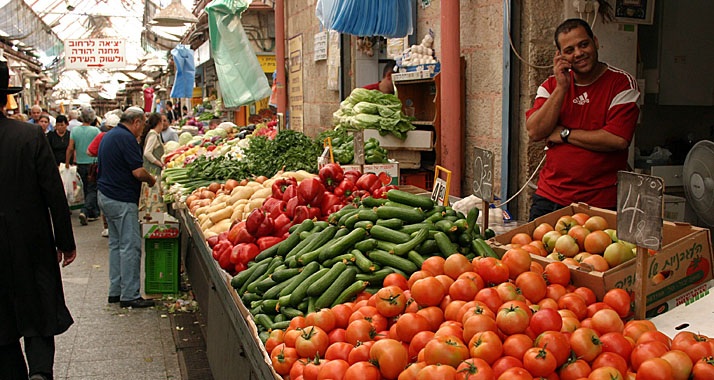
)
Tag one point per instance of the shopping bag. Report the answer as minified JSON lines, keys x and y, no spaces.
{"x":73,"y":187}
{"x":239,"y":72}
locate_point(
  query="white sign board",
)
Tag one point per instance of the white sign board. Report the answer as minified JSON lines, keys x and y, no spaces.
{"x":321,"y":46}
{"x":438,"y":194}
{"x":202,"y":54}
{"x":94,"y":54}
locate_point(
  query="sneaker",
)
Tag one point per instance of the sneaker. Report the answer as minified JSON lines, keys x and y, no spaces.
{"x":105,"y":233}
{"x":113,"y":299}
{"x":82,"y":219}
{"x":137,"y":303}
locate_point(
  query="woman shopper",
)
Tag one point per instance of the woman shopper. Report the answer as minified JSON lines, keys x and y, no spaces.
{"x":79,"y":139}
{"x":59,"y":139}
{"x":44,"y":122}
{"x":153,"y":149}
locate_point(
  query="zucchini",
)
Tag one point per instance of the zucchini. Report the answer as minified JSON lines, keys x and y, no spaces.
{"x":385,"y":245}
{"x":319,"y":286}
{"x":373,"y":202}
{"x":488,"y":233}
{"x":250,"y":297}
{"x":279,"y":318}
{"x":311,"y":305}
{"x":445,"y":246}
{"x":343,"y":245}
{"x":274,"y":291}
{"x":362,"y":262}
{"x":300,"y":292}
{"x":340,"y":233}
{"x":387,"y":234}
{"x":238,"y":280}
{"x":307,"y":271}
{"x":335,"y":216}
{"x":351,"y":221}
{"x":294,"y":238}
{"x":364,"y":224}
{"x":408,"y":215}
{"x":282,"y":325}
{"x":403,"y":248}
{"x":375,"y":277}
{"x":483,"y":249}
{"x":346,"y":258}
{"x":270,"y":306}
{"x":264,"y":321}
{"x":416,"y":227}
{"x":370,"y":215}
{"x":438,"y":209}
{"x":416,"y":258}
{"x":428,"y":247}
{"x":366,"y":245}
{"x":350,"y":292}
{"x":464,"y":239}
{"x":461,"y":225}
{"x":393,"y":223}
{"x":264,"y":284}
{"x":410,"y":199}
{"x":388,"y":259}
{"x":290,"y":312}
{"x":346,"y":278}
{"x":397,"y":204}
{"x":346,"y":216}
{"x":303,"y":242}
{"x":284,"y":274}
{"x":269,"y":252}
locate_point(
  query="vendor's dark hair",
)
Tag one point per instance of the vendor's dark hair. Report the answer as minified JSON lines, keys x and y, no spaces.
{"x":61,"y":119}
{"x":151,"y":122}
{"x":388,"y":67}
{"x":569,"y":25}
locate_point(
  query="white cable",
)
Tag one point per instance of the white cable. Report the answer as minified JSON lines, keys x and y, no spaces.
{"x":527,"y":182}
{"x":510,"y":40}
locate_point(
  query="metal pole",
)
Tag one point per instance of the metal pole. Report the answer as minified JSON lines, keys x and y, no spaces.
{"x":280,"y":54}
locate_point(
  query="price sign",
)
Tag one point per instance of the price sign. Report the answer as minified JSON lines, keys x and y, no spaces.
{"x":359,"y":147}
{"x":327,"y":156}
{"x":440,"y":193}
{"x":640,"y":203}
{"x":483,"y":174}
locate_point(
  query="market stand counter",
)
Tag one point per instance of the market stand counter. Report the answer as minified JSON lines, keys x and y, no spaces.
{"x":232,"y":345}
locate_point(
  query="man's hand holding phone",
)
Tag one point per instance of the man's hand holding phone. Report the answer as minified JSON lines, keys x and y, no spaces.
{"x":561,"y":70}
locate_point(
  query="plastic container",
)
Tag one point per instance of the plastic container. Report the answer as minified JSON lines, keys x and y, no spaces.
{"x":161,"y":266}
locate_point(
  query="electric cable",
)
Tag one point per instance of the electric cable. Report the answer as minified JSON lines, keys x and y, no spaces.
{"x":510,"y":39}
{"x":527,"y":182}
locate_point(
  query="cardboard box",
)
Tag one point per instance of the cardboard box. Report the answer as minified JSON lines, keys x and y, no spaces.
{"x":685,"y":260}
{"x":408,"y":159}
{"x":416,"y":140}
{"x":390,"y":169}
{"x":160,"y":226}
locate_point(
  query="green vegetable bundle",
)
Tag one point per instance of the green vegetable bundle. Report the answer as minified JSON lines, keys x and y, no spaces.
{"x":374,"y":110}
{"x":325,"y":263}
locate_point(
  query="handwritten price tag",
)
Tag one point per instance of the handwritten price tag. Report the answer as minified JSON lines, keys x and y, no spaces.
{"x":440,"y":193}
{"x":640,"y":204}
{"x":483,"y":174}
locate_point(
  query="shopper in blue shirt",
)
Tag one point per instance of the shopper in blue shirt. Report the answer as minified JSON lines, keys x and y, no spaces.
{"x":121,"y":173}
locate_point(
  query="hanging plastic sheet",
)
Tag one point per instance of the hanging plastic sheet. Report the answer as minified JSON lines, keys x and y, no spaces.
{"x":239,"y":73}
{"x":389,"y":18}
{"x":185,"y":72}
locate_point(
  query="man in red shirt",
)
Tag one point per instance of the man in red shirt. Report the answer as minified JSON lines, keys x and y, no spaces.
{"x":385,"y":85}
{"x":587,"y":112}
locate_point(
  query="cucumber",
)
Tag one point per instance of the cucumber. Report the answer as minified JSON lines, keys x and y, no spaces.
{"x":435,"y":217}
{"x":362,"y":262}
{"x":293,"y":228}
{"x":264,"y":284}
{"x":303,"y":242}
{"x":291,"y":262}
{"x":302,"y":306}
{"x":364,"y":224}
{"x":270,"y":306}
{"x":449,"y":212}
{"x":461,"y":225}
{"x":318,"y":242}
{"x":403,"y":248}
{"x":488,"y":233}
{"x":264,"y":321}
{"x":438,"y":209}
{"x":250,"y":297}
{"x":284,"y":274}
{"x":311,"y":305}
{"x":373,"y":202}
{"x":351,"y":221}
{"x":416,"y":258}
{"x":279,"y":318}
{"x":470,"y":256}
{"x":346,"y":216}
{"x":376,"y":277}
{"x":366,"y":245}
{"x":300,"y":292}
{"x":260,"y":271}
{"x":464,"y":239}
{"x":305,"y":234}
{"x":397,"y":204}
{"x":428,"y":247}
{"x":390,"y":235}
{"x":350,"y":292}
{"x":290,"y":312}
{"x":340,"y":233}
{"x":397,"y":271}
{"x":370,"y":215}
{"x":385,"y":245}
{"x":238,"y":280}
{"x":346,"y":278}
{"x":393,"y":223}
{"x":483,"y":249}
{"x":294,"y":238}
{"x":319,"y":286}
{"x":343,"y":245}
{"x":269,"y":252}
{"x":307,"y":272}
{"x":408,"y":215}
{"x":410,"y":199}
{"x":472,"y":217}
{"x":460,"y":215}
{"x":275,"y":290}
{"x":416,"y":227}
{"x":346,"y":258}
{"x":263,"y":336}
{"x":388,"y":259}
{"x":445,"y":246}
{"x":451,"y":218}
{"x":315,"y":229}
{"x":281,"y":325}
{"x":322,"y":224}
{"x":464,"y":250}
{"x":335,"y":216}
{"x":372,"y":289}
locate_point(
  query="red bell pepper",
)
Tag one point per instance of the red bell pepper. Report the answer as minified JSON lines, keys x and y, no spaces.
{"x":290,"y":192}
{"x":291,"y":205}
{"x":280,"y":223}
{"x":301,"y":213}
{"x":281,"y":185}
{"x":380,"y":193}
{"x":250,"y":251}
{"x":268,"y":241}
{"x":221,"y":248}
{"x":243,"y":236}
{"x":274,"y":207}
{"x":331,"y":175}
{"x":345,"y":188}
{"x":266,"y":227}
{"x":334,"y":209}
{"x":310,"y":192}
{"x":236,"y":254}
{"x":329,"y":200}
{"x":240,"y":267}
{"x":212,"y":241}
{"x":223,"y":236}
{"x":352,"y":175}
{"x":315,"y":212}
{"x":254,"y":220}
{"x":369,"y":182}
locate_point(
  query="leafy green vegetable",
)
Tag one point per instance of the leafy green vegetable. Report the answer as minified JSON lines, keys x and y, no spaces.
{"x":375,"y":110}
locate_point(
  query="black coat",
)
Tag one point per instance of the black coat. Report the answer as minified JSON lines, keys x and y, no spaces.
{"x":34,"y":222}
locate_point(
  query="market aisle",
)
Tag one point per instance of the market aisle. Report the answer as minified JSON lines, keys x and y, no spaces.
{"x":106,"y":339}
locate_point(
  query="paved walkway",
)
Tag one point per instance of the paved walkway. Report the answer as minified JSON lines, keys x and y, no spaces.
{"x":106,"y":341}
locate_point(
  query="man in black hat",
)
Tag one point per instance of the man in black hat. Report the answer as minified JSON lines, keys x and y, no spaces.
{"x":35,"y":234}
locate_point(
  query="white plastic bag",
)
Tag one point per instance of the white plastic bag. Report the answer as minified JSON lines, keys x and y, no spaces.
{"x":73,"y":187}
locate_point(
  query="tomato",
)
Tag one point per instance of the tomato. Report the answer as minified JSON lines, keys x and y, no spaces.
{"x":517,"y":260}
{"x":585,"y":343}
{"x":474,"y":369}
{"x":360,"y":331}
{"x":516,"y":345}
{"x":333,"y":369}
{"x":451,"y":311}
{"x":655,"y":369}
{"x":276,"y":337}
{"x":619,"y":300}
{"x":412,"y":370}
{"x":363,"y":296}
{"x":342,"y":315}
{"x":486,"y":345}
{"x":391,"y":357}
{"x":695,"y":346}
{"x":680,"y":362}
{"x":574,"y":369}
{"x":409,"y":325}
{"x":515,"y":373}
{"x":418,"y":275}
{"x":291,"y":336}
{"x":532,"y":286}
{"x":339,"y":350}
{"x":434,"y":265}
{"x":371,"y":314}
{"x":463,"y":289}
{"x":296,"y":323}
{"x":520,"y":304}
{"x":541,"y":230}
{"x":609,"y":359}
{"x":390,"y":301}
{"x":616,"y":343}
{"x":546,"y":320}
{"x":607,"y":321}
{"x":447,"y":350}
{"x":283,"y":358}
{"x":437,"y":372}
{"x":324,"y":319}
{"x":490,"y":297}
{"x":362,"y":371}
{"x":297,"y":369}
{"x":428,"y":291}
{"x":478,"y":309}
{"x":477,"y":323}
{"x":647,"y":350}
{"x":548,"y":303}
{"x":433,"y":315}
{"x":456,"y":264}
{"x":492,"y":270}
{"x":539,"y":361}
{"x":557,"y":343}
{"x":512,"y":320}
{"x":503,"y":363}
{"x":446,"y":282}
{"x":312,"y":341}
{"x":557,"y":273}
{"x":360,"y":353}
{"x":574,"y":303}
{"x":587,"y":295}
{"x":337,"y":335}
{"x":634,"y":329}
{"x":703,"y":369}
{"x":396,"y":279}
{"x":605,"y":373}
{"x":450,"y":330}
{"x":597,"y":306}
{"x":360,"y":304}
{"x":418,"y":342}
{"x":570,"y":324}
{"x":473,"y":276}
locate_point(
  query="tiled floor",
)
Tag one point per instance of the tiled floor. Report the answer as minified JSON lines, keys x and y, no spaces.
{"x":106,"y":341}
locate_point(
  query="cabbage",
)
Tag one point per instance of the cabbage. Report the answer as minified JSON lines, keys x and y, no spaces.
{"x":185,"y":138}
{"x":171,"y":146}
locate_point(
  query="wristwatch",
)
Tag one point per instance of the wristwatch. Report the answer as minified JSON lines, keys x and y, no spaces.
{"x":564,"y":134}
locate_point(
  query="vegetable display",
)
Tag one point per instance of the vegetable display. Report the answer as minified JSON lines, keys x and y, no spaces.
{"x":374,"y":110}
{"x":343,"y":148}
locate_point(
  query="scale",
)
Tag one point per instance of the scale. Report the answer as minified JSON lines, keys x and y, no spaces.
{"x":698,"y":178}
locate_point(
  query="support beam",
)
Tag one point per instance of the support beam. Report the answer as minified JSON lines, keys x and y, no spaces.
{"x":280,"y":54}
{"x":451,"y":119}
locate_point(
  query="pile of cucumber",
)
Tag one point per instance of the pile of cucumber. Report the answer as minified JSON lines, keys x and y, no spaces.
{"x":326,"y":263}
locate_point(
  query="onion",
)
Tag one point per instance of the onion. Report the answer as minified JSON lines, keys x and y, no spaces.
{"x":207,"y":194}
{"x":243,"y":182}
{"x":214,"y":187}
{"x":191,"y":198}
{"x":261,"y":179}
{"x":230,"y":185}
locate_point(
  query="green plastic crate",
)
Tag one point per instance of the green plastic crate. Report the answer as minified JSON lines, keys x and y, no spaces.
{"x":161,"y":266}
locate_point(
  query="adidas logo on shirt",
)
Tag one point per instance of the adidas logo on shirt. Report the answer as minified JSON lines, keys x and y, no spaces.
{"x":582,"y":99}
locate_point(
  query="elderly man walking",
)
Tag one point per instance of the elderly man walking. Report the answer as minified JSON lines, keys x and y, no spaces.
{"x":120,"y":175}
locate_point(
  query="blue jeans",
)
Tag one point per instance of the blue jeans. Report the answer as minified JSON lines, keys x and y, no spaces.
{"x":90,"y":209}
{"x":124,"y":247}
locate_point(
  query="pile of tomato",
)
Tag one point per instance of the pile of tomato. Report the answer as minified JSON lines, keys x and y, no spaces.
{"x":489,"y":319}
